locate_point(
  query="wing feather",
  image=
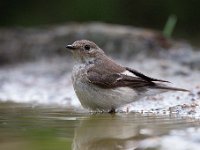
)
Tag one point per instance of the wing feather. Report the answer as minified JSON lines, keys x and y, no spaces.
{"x":113,"y":77}
{"x":141,"y":75}
{"x":117,"y":80}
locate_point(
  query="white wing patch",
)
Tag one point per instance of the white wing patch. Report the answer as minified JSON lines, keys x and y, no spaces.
{"x":128,"y":73}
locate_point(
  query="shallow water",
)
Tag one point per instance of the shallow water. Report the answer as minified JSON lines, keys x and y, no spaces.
{"x":25,"y":127}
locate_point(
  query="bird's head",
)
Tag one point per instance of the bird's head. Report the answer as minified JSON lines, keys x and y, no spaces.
{"x":85,"y":50}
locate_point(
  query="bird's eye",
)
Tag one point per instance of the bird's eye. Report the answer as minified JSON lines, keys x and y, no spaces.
{"x":87,"y":47}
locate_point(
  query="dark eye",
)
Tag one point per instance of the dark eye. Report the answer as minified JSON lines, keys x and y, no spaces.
{"x":87,"y":47}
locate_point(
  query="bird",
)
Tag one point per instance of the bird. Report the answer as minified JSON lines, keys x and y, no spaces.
{"x":103,"y":85}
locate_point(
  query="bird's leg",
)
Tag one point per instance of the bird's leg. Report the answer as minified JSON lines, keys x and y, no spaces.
{"x":112,"y":111}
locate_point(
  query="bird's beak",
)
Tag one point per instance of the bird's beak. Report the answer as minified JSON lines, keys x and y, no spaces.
{"x":71,"y":47}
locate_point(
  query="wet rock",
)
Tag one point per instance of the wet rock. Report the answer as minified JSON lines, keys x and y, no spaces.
{"x":47,"y":80}
{"x":22,"y":44}
{"x":198,"y":93}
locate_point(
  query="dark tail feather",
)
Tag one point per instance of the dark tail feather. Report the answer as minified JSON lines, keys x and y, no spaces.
{"x":170,"y":88}
{"x":141,"y":75}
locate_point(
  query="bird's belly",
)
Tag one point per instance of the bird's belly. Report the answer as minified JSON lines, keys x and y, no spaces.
{"x":96,"y":98}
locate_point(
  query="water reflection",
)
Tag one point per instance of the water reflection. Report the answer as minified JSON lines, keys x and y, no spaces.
{"x":104,"y":132}
{"x":124,"y":131}
{"x":24,"y":127}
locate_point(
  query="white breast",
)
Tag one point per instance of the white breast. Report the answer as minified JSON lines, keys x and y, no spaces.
{"x":96,"y":98}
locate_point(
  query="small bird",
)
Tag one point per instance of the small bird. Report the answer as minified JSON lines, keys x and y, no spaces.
{"x":103,"y":85}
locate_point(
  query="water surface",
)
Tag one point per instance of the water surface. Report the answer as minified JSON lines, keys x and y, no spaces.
{"x":24,"y":127}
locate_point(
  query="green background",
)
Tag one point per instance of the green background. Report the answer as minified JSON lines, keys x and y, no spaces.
{"x":142,"y":13}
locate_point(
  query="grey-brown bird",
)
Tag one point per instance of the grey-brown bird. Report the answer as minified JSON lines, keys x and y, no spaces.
{"x":103,"y":85}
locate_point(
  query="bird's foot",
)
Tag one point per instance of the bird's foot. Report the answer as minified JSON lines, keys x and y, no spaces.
{"x":112,"y":111}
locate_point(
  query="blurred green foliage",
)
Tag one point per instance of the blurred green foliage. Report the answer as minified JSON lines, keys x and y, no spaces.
{"x":144,"y":13}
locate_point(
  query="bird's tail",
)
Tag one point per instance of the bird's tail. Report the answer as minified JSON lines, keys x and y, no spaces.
{"x":168,"y":88}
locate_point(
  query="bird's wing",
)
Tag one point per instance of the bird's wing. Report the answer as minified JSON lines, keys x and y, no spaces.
{"x":144,"y":77}
{"x":123,"y":79}
{"x":118,"y":76}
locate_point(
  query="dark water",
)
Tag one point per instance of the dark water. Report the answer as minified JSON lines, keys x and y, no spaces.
{"x":40,"y":128}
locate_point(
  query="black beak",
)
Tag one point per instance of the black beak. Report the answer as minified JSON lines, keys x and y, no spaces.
{"x":70,"y":47}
